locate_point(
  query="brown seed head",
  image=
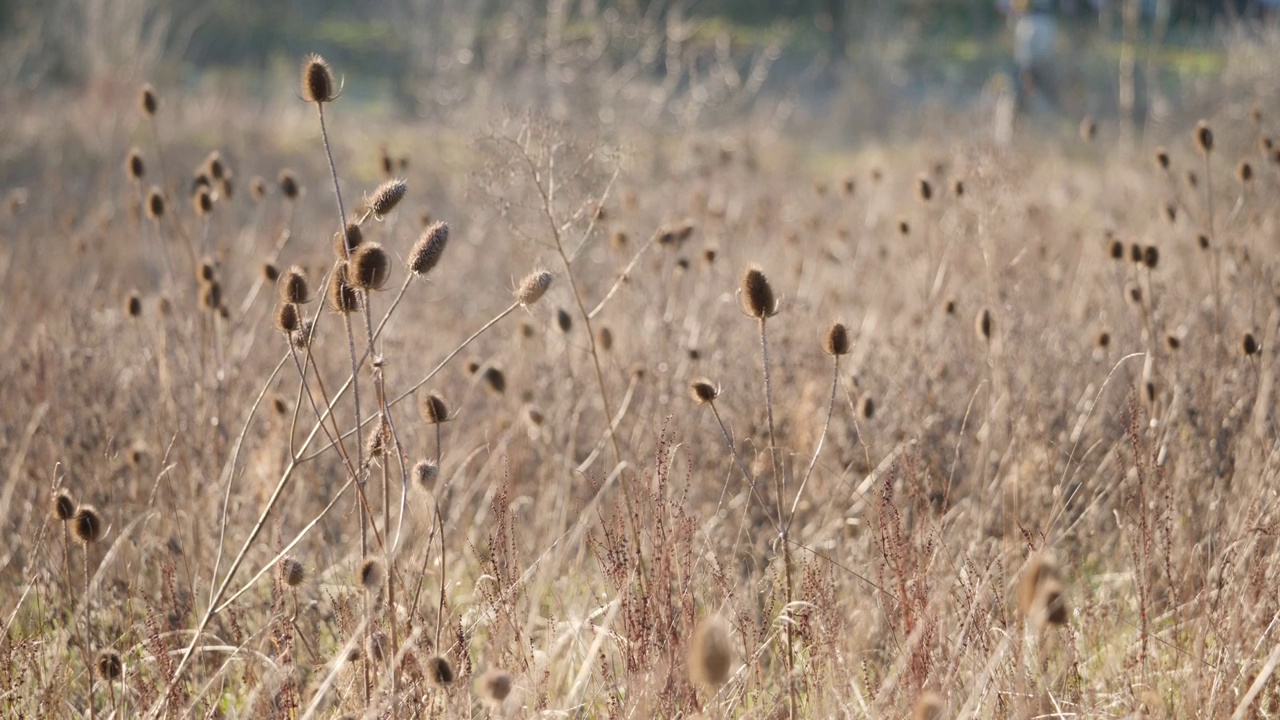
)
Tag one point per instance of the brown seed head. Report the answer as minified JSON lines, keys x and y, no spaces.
{"x":494,"y":686}
{"x":214,"y":166}
{"x":1244,"y":172}
{"x":87,"y":524}
{"x":108,"y":666}
{"x":270,"y":272}
{"x":563,"y":320}
{"x":379,"y":439}
{"x":377,"y":647}
{"x":370,"y":574}
{"x":354,"y":236}
{"x":711,"y":653}
{"x":757,"y":294}
{"x":370,"y":266}
{"x":341,"y":295}
{"x":434,"y":410}
{"x":984,"y":324}
{"x":133,"y":305}
{"x":429,"y":249}
{"x":1204,"y":137}
{"x":1117,"y":250}
{"x":1162,"y":158}
{"x":533,"y":287}
{"x":868,"y":407}
{"x":495,"y":380}
{"x":301,"y":338}
{"x":439,"y":671}
{"x":1088,"y":128}
{"x":134,"y":167}
{"x":293,"y":286}
{"x":425,"y":473}
{"x":1250,"y":344}
{"x":155,"y":204}
{"x":288,"y":184}
{"x":836,"y":341}
{"x":292,"y":573}
{"x":386,"y":197}
{"x":924,"y":189}
{"x":147,"y":100}
{"x":286,"y":318}
{"x":257,"y":188}
{"x":703,"y":390}
{"x":1104,"y":339}
{"x":203,"y":202}
{"x":1150,"y":256}
{"x":317,"y":80}
{"x":605,"y":338}
{"x":64,"y":506}
{"x":1172,"y":342}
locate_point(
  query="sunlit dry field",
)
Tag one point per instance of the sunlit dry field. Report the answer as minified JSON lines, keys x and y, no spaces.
{"x":630,"y":423}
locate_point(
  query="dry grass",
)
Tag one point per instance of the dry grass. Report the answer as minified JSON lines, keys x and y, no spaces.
{"x":545,"y":534}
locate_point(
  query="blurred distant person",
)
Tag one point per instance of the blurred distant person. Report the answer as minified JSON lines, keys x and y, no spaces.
{"x":1035,"y":43}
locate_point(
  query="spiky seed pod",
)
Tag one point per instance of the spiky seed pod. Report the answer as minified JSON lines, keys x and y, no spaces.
{"x":703,"y":391}
{"x":87,"y":524}
{"x":386,"y":197}
{"x":147,"y":100}
{"x":288,"y":185}
{"x":63,"y":506}
{"x":1249,"y":344}
{"x":341,"y":295}
{"x":207,"y":271}
{"x":1088,"y":128}
{"x":133,"y":305}
{"x":292,"y":573}
{"x":439,"y":671}
{"x":836,"y":341}
{"x":214,"y":166}
{"x":134,"y":167}
{"x":1203,"y":241}
{"x":1150,"y":256}
{"x":1265,"y":145}
{"x":924,"y":189}
{"x":317,"y":80}
{"x":434,"y":409}
{"x":1204,"y":137}
{"x":957,"y":188}
{"x":1117,"y":250}
{"x":534,"y":415}
{"x":286,"y":318}
{"x":1103,"y":339}
{"x":563,"y":320}
{"x":257,"y":188}
{"x":425,"y":473}
{"x":494,"y":686}
{"x":301,"y":338}
{"x":155,"y":204}
{"x":605,"y":338}
{"x":757,"y":294}
{"x":375,"y":446}
{"x":1172,"y":342}
{"x":370,"y":266}
{"x":1135,"y":253}
{"x":370,"y":574}
{"x":429,"y":249}
{"x":929,"y":706}
{"x":203,"y":202}
{"x":270,"y":272}
{"x":495,"y":380}
{"x":377,"y":647}
{"x":868,"y":407}
{"x":1162,"y":158}
{"x":1244,"y":172}
{"x":984,"y":324}
{"x":293,"y":287}
{"x":711,"y":653}
{"x":354,"y":237}
{"x":533,"y":287}
{"x":108,"y":666}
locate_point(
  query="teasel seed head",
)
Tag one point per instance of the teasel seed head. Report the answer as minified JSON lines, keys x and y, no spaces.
{"x":1150,"y":256}
{"x":386,"y":197}
{"x":425,"y":473}
{"x":924,"y":189}
{"x":288,"y":185}
{"x":757,"y":294}
{"x":214,"y":166}
{"x":286,"y":318}
{"x":711,"y":653}
{"x":148,"y":101}
{"x":370,"y":266}
{"x":1250,"y":344}
{"x":605,"y":338}
{"x":370,"y":574}
{"x":703,"y":391}
{"x":292,"y":573}
{"x":87,"y":524}
{"x":317,"y":80}
{"x":494,"y":686}
{"x":1204,"y":137}
{"x":1104,"y":339}
{"x":1172,"y":342}
{"x":354,"y":237}
{"x":495,"y":380}
{"x":342,"y":296}
{"x":257,"y":188}
{"x":1193,"y":180}
{"x":433,"y":408}
{"x":1244,"y":172}
{"x":270,"y":272}
{"x":133,"y":305}
{"x":293,"y":287}
{"x":868,"y":407}
{"x":301,"y":338}
{"x":533,"y":287}
{"x":904,"y":227}
{"x":1088,"y":128}
{"x":377,"y":647}
{"x":564,"y":320}
{"x":836,"y":341}
{"x":155,"y":204}
{"x":1203,"y":241}
{"x":108,"y":666}
{"x":439,"y":671}
{"x":379,"y":440}
{"x":63,"y":506}
{"x":984,"y":324}
{"x":1117,"y":250}
{"x":203,"y":202}
{"x":429,"y":249}
{"x":134,"y":167}
{"x":1162,"y":158}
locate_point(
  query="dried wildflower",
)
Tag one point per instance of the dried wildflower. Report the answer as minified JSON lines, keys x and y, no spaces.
{"x":1172,"y":342}
{"x":317,"y":80}
{"x":370,"y":574}
{"x":563,"y":320}
{"x":703,"y":390}
{"x":377,"y":647}
{"x":429,"y":249}
{"x":1250,"y":344}
{"x":1150,"y":256}
{"x":87,"y":524}
{"x":64,"y":506}
{"x":1117,"y":250}
{"x":1104,"y":339}
{"x":203,"y":202}
{"x":148,"y":101}
{"x":257,"y":188}
{"x":1162,"y":158}
{"x":495,"y":380}
{"x":293,"y":287}
{"x":605,"y":338}
{"x":439,"y":671}
{"x":983,"y":324}
{"x":1088,"y":128}
{"x":292,"y":573}
{"x":494,"y":686}
{"x":342,"y":296}
{"x":1244,"y":172}
{"x":301,"y":338}
{"x":133,"y":305}
{"x":134,"y":167}
{"x":288,"y":185}
{"x":533,"y":287}
{"x":155,"y":204}
{"x":1204,"y":137}
{"x":1203,"y":241}
{"x":270,"y":272}
{"x":425,"y":473}
{"x":108,"y":666}
{"x":757,"y":294}
{"x":836,"y":341}
{"x":354,"y":237}
{"x":924,"y":189}
{"x":711,"y":653}
{"x":286,"y":318}
{"x":214,"y":166}
{"x":434,"y":410}
{"x":386,"y":197}
{"x":370,"y":267}
{"x":868,"y":407}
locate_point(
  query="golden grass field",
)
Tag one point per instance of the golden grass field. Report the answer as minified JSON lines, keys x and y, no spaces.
{"x":1032,"y":474}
